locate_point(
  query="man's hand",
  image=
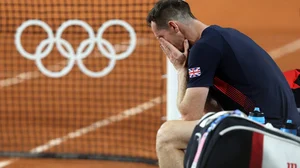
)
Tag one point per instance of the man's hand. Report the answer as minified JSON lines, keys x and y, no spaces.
{"x":177,"y":58}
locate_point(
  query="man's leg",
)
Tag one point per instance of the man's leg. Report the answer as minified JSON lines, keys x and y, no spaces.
{"x":172,"y":138}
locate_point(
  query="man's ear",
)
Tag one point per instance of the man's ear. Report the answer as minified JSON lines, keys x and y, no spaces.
{"x":173,"y":26}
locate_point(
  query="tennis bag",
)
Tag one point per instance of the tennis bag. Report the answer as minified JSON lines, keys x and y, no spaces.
{"x":293,"y":78}
{"x":231,"y":140}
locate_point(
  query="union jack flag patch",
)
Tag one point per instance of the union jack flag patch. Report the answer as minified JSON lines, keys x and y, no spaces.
{"x":194,"y":72}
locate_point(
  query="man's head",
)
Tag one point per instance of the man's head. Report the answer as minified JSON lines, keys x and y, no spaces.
{"x":167,"y":19}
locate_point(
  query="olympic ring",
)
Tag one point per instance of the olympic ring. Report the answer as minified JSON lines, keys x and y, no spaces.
{"x":67,"y":51}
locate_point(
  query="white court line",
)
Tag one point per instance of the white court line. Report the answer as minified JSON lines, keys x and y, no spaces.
{"x":286,"y":49}
{"x":164,"y":76}
{"x":6,"y":163}
{"x":93,"y":127}
{"x":21,"y":77}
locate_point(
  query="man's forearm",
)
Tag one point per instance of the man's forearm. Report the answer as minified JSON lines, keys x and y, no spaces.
{"x":182,"y":77}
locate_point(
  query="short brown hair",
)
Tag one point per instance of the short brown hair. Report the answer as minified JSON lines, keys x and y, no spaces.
{"x":166,"y":10}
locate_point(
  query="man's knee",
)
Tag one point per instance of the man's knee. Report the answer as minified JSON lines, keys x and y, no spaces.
{"x":166,"y":135}
{"x":175,"y":134}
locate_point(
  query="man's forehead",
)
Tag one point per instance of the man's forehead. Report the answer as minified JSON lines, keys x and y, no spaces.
{"x":154,"y":29}
{"x":157,"y":33}
{"x":153,"y":25}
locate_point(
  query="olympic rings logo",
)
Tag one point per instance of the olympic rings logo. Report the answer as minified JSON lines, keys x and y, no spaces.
{"x":69,"y":52}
